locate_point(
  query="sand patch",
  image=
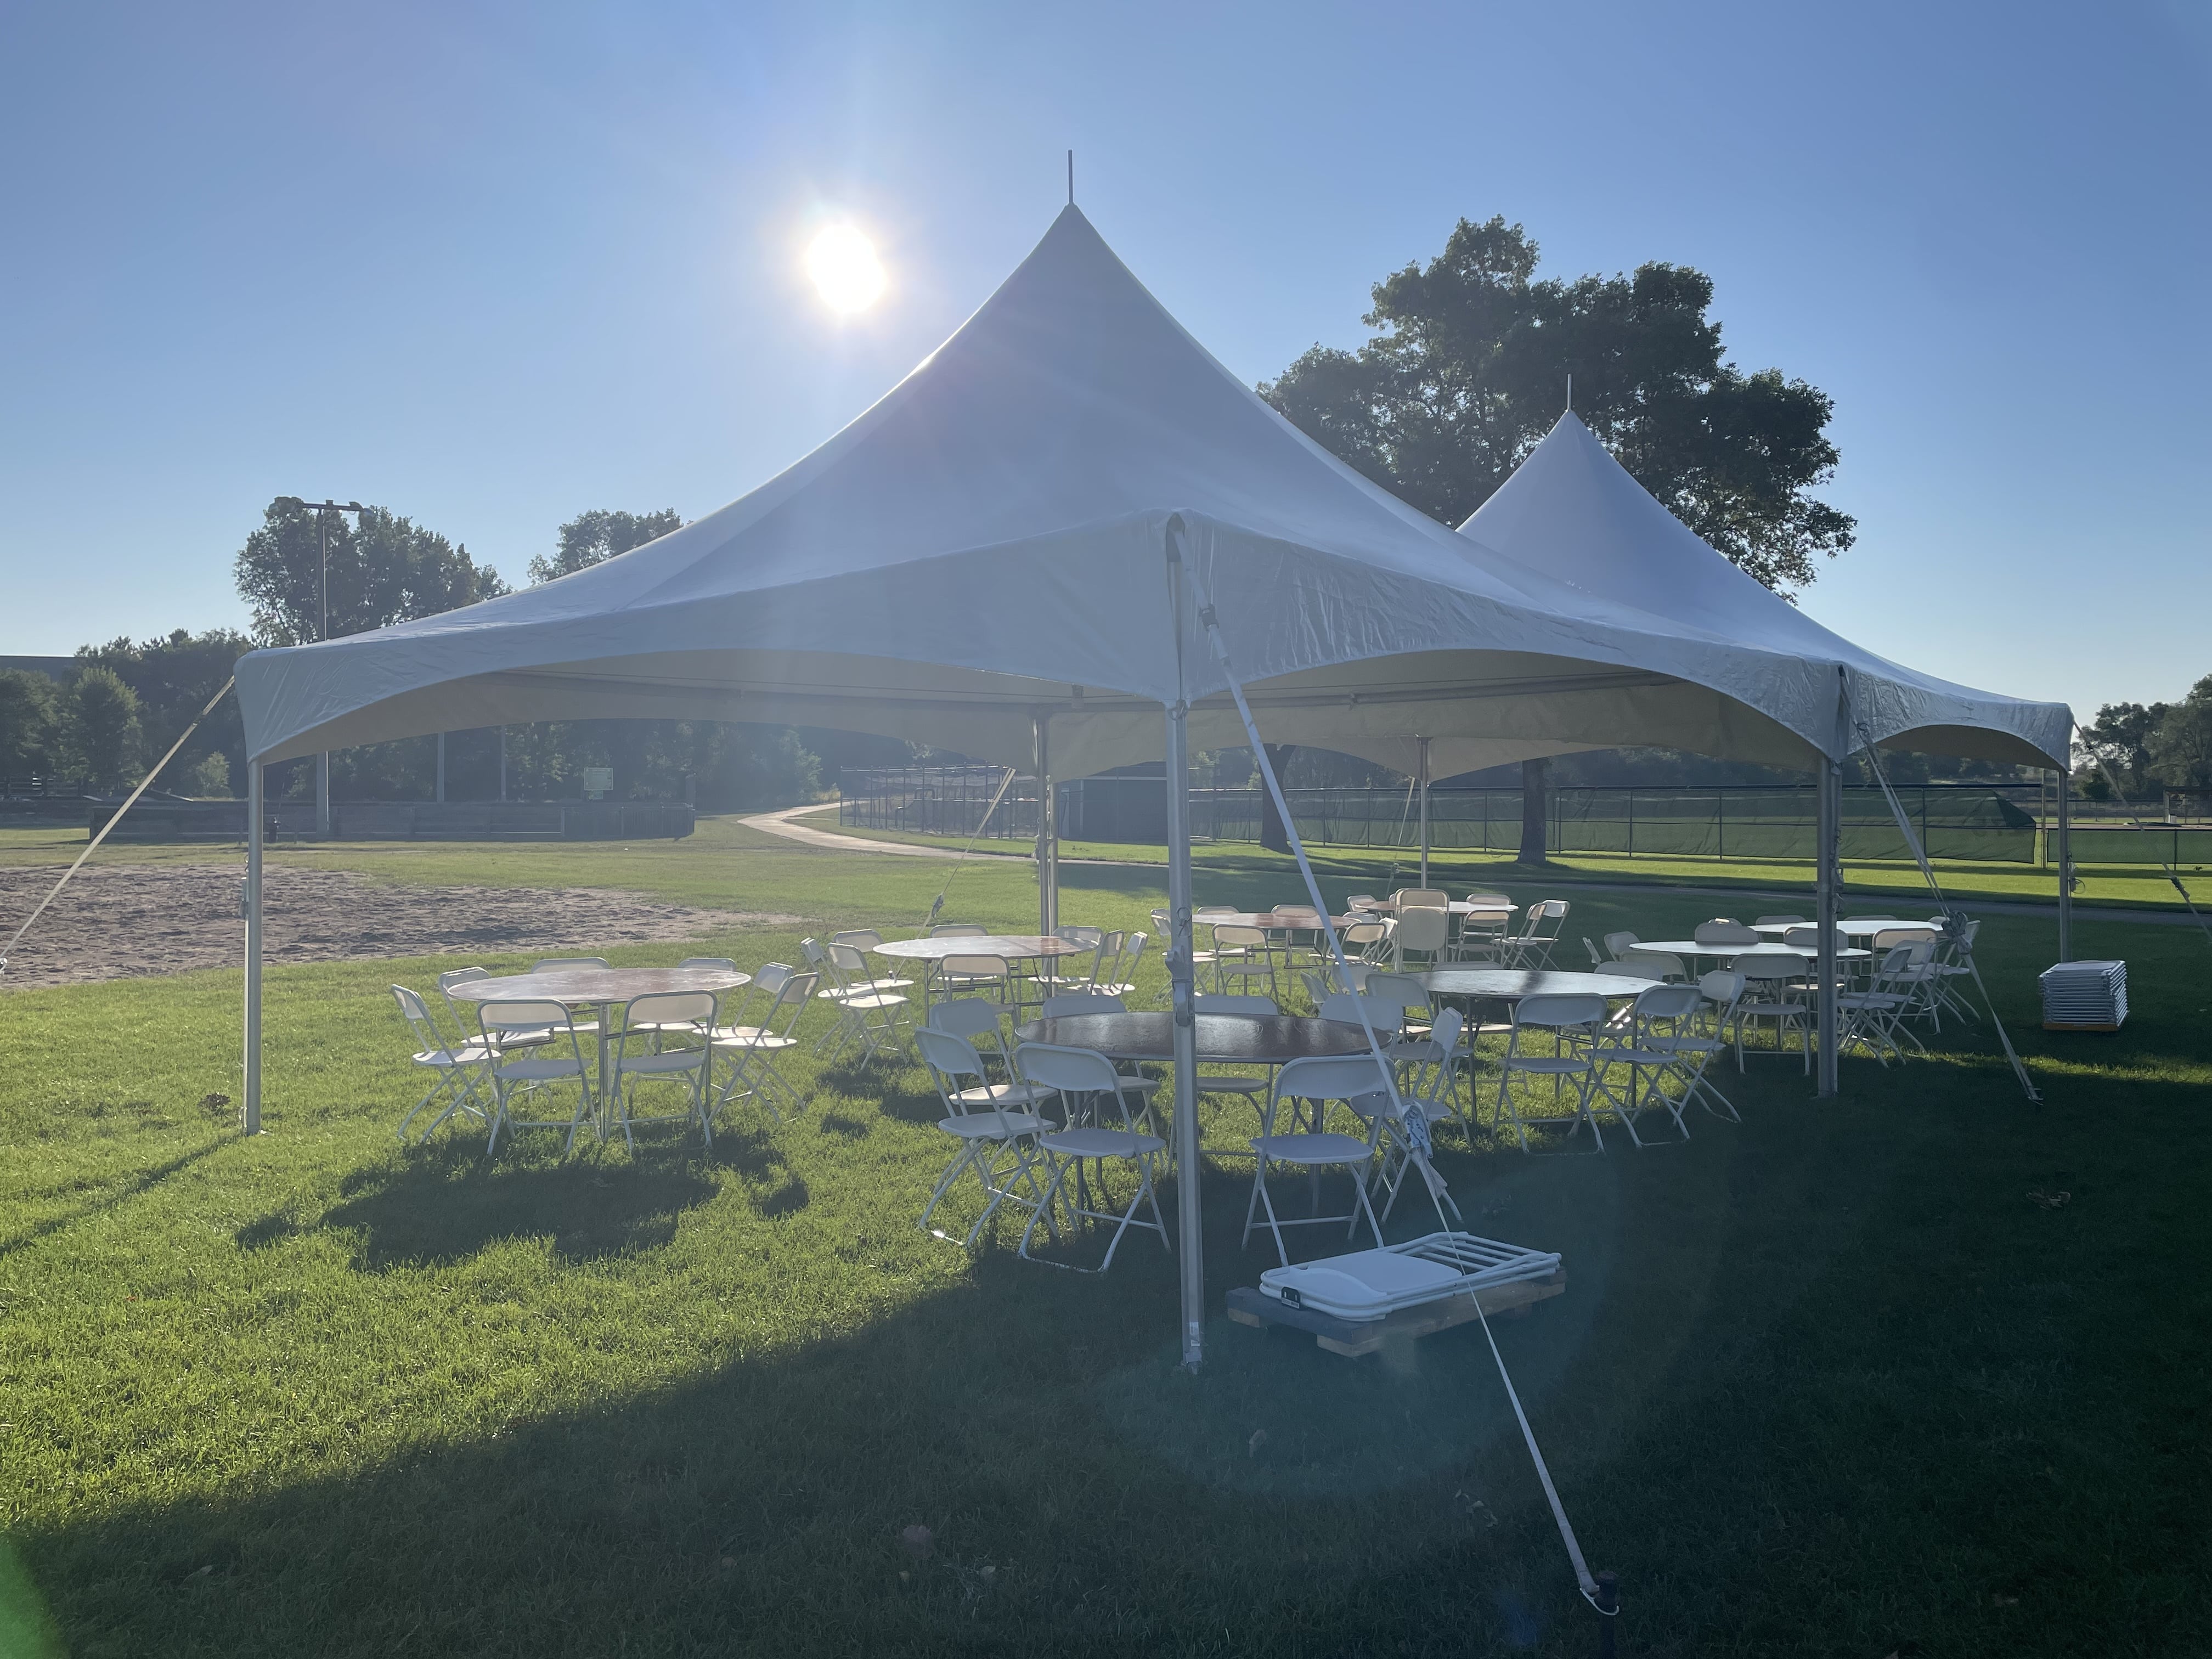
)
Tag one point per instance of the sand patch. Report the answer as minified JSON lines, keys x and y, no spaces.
{"x":129,"y":919}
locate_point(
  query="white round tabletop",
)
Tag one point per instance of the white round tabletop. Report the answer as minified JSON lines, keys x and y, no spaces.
{"x":597,"y":987}
{"x":1014,"y":947}
{"x":1456,"y":906}
{"x":1690,"y":947}
{"x":1511,"y":984}
{"x":1863,"y":929}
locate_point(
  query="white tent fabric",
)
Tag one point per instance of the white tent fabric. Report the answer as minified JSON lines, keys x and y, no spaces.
{"x":987,"y":546}
{"x":1573,"y":514}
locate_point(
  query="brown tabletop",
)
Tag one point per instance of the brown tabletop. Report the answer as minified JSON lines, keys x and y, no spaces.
{"x":1222,"y":1039}
{"x":1014,"y":947}
{"x":1456,"y":906}
{"x":600,"y":986}
{"x":1511,"y":984}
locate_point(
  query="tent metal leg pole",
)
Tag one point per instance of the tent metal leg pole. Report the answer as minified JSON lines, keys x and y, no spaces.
{"x":1424,"y":742}
{"x":1189,"y":1217}
{"x":1047,"y":834}
{"x":1828,"y":885}
{"x":255,"y":773}
{"x":2065,"y":870}
{"x":441,"y":767}
{"x":323,"y":794}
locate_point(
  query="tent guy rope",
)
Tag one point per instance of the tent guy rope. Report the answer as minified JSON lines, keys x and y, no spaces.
{"x":93,"y":846}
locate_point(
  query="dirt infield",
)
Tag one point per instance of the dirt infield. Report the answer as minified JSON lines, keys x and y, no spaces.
{"x":129,"y":919}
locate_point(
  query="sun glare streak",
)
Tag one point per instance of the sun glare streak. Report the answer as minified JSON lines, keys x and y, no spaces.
{"x":846,"y":271}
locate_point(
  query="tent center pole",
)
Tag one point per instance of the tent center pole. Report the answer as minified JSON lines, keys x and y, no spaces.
{"x":1424,"y":742}
{"x":1189,"y":1214}
{"x":1828,"y":883}
{"x":251,"y":1090}
{"x":2065,"y":869}
{"x":1047,"y":832}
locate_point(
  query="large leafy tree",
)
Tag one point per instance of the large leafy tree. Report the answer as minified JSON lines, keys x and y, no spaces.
{"x":383,"y":568}
{"x":2181,"y":745}
{"x":173,"y":678}
{"x":1467,"y":369}
{"x":591,"y":538}
{"x":100,"y":738}
{"x":28,"y":719}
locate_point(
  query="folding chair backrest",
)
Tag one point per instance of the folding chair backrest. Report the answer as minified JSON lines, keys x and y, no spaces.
{"x":1071,"y":1071}
{"x":522,"y":1015}
{"x":1236,"y":936}
{"x":1549,"y":918}
{"x":1559,"y":1012}
{"x":1444,"y":1029}
{"x":1488,"y":899}
{"x":1082,"y":1002}
{"x":1667,"y":1002}
{"x":771,"y":977}
{"x":1654,"y":965}
{"x":1722,"y":930}
{"x":1890,"y":936}
{"x":959,"y":930}
{"x":666,"y":1010}
{"x":1215,"y":1003}
{"x":1089,"y":936}
{"x":1427,"y":898}
{"x":1359,"y":902}
{"x":1402,"y":989}
{"x":555,"y":964}
{"x":1765,"y":969}
{"x":1205,"y":910}
{"x":1855,"y":921}
{"x":1773,"y":921}
{"x":464,"y":1012}
{"x":965,"y":1017}
{"x":417,"y":1015}
{"x":1620,"y":944}
{"x":1134,"y":954}
{"x":1424,"y":928}
{"x":723,"y":963}
{"x":950,"y":1057}
{"x":1723,"y":988}
{"x":1344,"y":1007}
{"x":860,"y":938}
{"x":1809,"y":939}
{"x":977,"y":967}
{"x":1358,"y":935}
{"x":849,"y":963}
{"x":1348,"y":1077}
{"x":789,"y":1000}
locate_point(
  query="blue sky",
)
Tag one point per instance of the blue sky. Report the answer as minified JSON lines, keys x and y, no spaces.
{"x":492,"y":265}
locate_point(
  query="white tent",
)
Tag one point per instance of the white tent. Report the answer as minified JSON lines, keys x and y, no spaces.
{"x":1007,"y":555}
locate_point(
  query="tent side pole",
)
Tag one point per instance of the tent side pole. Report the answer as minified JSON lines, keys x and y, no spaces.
{"x":1828,"y":865}
{"x":1047,"y":833}
{"x":2065,"y":870}
{"x":1189,"y":1214}
{"x":251,"y":1089}
{"x":1424,"y":742}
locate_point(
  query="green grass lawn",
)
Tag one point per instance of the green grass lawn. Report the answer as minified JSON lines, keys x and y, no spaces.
{"x":1828,"y":1382}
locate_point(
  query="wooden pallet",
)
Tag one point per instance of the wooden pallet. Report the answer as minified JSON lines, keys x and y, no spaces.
{"x":1248,"y":1306}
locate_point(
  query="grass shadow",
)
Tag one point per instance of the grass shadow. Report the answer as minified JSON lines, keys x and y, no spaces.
{"x":441,"y":1205}
{"x":129,"y":1188}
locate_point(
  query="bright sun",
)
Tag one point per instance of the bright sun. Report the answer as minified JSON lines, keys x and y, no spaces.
{"x":844,"y":267}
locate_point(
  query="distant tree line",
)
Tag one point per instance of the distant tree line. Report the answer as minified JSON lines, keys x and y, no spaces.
{"x":124,"y":703}
{"x":2151,"y":748}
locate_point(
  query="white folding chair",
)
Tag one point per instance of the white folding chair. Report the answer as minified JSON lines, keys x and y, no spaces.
{"x":1875,"y":1017}
{"x":680,"y":1025}
{"x":1428,"y":1093}
{"x":1652,"y":964}
{"x":1056,"y":975}
{"x":1241,"y":1084}
{"x":1097,"y":1002}
{"x":988,"y":1120}
{"x":1541,"y":925}
{"x":540,"y":1067}
{"x":866,"y":1016}
{"x":755,"y":1046}
{"x":1693,"y":1042}
{"x":1121,"y":980}
{"x":1316,"y":1082}
{"x":1085,"y":1081}
{"x":460,"y":1068}
{"x":1572,"y":1025}
{"x":865,"y":939}
{"x":1242,"y":954}
{"x":1771,"y":993}
{"x":974,"y":1018}
{"x":1483,"y":930}
{"x":1722,"y":930}
{"x":1422,"y":936}
{"x":1620,"y":943}
{"x":1365,"y":941}
{"x":676,"y":1028}
{"x":1421,"y":898}
{"x":992,"y":977}
{"x":1637,"y":1044}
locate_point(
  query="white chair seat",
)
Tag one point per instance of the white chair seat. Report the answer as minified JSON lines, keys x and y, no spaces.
{"x":1211,"y":1082}
{"x":750,"y":1036}
{"x":1548,"y":1064}
{"x":673,"y":1059}
{"x":1634,"y":1056}
{"x":1101,"y":1143}
{"x":987,"y":1095}
{"x":1311,"y":1148}
{"x":450,"y":1057}
{"x":539,"y":1069}
{"x":993,"y":1126}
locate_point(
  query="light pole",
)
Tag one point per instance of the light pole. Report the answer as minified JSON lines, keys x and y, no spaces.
{"x":322,"y":511}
